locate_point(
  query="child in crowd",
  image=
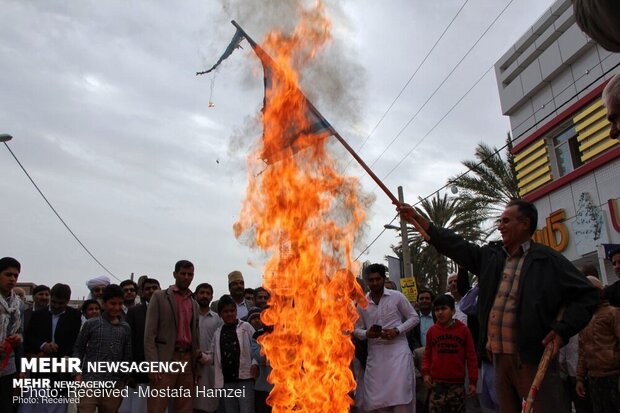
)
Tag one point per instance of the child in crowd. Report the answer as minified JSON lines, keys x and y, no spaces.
{"x":599,"y":356}
{"x":261,"y":387}
{"x":90,"y":309}
{"x":449,"y":345}
{"x":232,"y":356}
{"x":104,"y":338}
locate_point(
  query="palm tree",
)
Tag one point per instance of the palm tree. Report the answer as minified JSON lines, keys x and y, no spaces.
{"x":491,"y":184}
{"x":431,"y":267}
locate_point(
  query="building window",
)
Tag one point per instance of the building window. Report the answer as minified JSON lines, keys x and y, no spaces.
{"x":566,"y":150}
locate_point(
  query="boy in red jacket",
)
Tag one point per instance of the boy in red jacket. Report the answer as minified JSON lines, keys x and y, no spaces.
{"x":449,"y":345}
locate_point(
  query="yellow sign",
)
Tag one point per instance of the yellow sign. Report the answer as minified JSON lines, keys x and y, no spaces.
{"x":409,"y":288}
{"x":555,"y":226}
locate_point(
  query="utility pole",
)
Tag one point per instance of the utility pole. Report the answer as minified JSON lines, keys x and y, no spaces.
{"x":405,"y":240}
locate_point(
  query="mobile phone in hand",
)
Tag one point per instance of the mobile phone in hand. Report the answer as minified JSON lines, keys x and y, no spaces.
{"x":376,"y":328}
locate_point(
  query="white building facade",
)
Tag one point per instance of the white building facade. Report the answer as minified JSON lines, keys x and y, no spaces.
{"x":550,"y":84}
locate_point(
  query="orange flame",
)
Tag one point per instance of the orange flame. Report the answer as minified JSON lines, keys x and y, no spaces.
{"x":305,"y":215}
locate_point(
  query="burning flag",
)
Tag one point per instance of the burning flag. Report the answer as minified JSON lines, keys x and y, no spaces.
{"x":306,"y":216}
{"x":301,"y":129}
{"x":234,"y":44}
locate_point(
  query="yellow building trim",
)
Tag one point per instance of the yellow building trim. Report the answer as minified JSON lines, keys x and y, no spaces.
{"x":601,"y":124}
{"x":529,"y":150}
{"x":604,"y":145}
{"x":532,"y":177}
{"x":540,"y":181}
{"x":594,"y":106}
{"x":519,"y":165}
{"x":593,"y":140}
{"x":532,"y":167}
{"x":596,"y":116}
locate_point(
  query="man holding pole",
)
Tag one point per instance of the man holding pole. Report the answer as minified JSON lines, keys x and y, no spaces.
{"x":524,"y":288}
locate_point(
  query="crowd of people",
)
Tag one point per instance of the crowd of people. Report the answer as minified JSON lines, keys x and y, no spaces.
{"x":472,"y":349}
{"x":483,"y":343}
{"x":135,"y":322}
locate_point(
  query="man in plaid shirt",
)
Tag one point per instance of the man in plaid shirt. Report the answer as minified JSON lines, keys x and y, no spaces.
{"x":523,"y":286}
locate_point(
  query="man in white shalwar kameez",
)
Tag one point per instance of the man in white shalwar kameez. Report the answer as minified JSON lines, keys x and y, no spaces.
{"x":389,"y":381}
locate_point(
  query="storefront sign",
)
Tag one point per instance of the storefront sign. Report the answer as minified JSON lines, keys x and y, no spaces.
{"x":409,"y":288}
{"x":555,"y":233}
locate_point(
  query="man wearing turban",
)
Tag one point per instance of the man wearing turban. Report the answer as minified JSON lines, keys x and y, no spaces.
{"x":96,"y":286}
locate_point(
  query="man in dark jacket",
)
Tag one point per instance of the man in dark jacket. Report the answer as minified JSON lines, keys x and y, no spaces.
{"x":52,"y":334}
{"x":523,"y":286}
{"x":136,"y":318}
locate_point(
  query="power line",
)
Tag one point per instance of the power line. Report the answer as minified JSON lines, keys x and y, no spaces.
{"x":410,"y":79}
{"x":499,"y":149}
{"x":437,"y":124}
{"x":525,"y":120}
{"x":58,"y":215}
{"x":441,"y":84}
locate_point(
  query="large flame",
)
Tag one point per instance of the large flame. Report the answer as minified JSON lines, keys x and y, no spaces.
{"x":306,"y":216}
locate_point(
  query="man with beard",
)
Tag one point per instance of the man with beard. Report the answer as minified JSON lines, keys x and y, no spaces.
{"x":41,"y":301}
{"x":136,"y":318}
{"x":208,"y":322}
{"x":236,"y":288}
{"x":389,"y":383}
{"x":96,"y":286}
{"x":171,"y":334}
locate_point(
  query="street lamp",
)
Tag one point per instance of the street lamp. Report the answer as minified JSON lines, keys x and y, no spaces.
{"x":5,"y":137}
{"x":394,"y":227}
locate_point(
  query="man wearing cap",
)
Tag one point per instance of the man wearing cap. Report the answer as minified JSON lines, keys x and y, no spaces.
{"x":96,"y":286}
{"x":171,"y":334}
{"x":236,"y":288}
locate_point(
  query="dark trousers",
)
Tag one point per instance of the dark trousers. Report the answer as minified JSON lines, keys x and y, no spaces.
{"x":260,"y":402}
{"x":6,"y":393}
{"x":513,"y":380}
{"x":605,"y":394}
{"x":581,"y":404}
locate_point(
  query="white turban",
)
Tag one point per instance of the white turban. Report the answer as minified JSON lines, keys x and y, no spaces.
{"x":101,"y":280}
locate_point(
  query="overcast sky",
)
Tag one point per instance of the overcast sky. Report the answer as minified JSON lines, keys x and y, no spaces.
{"x":114,"y":127}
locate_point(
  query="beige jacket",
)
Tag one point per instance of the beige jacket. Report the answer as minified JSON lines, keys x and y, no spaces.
{"x":161,"y":328}
{"x":599,"y":344}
